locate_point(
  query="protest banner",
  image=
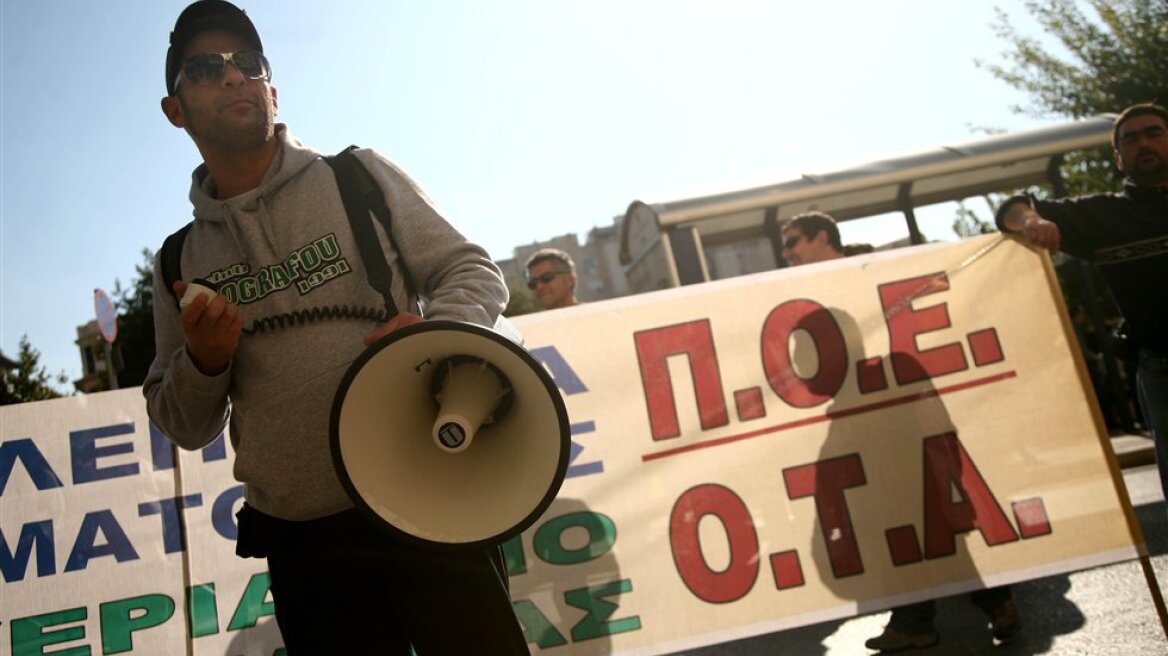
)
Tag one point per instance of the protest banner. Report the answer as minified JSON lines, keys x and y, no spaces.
{"x":111,"y":545}
{"x":749,"y":455}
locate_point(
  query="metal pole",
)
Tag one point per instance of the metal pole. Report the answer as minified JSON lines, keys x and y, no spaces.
{"x":904,"y":199}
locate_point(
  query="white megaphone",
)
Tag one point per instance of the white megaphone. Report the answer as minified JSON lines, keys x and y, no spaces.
{"x":450,"y":434}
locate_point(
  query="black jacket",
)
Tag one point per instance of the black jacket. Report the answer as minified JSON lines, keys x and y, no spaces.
{"x":1126,"y":236}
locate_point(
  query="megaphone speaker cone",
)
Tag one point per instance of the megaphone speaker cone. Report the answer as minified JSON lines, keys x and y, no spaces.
{"x":399,"y":453}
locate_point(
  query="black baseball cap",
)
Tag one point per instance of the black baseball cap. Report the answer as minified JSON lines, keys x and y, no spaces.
{"x":203,"y":16}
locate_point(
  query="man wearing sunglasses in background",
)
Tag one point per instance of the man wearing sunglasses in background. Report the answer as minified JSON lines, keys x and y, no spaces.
{"x":811,"y":237}
{"x":551,"y":274}
{"x":269,"y":219}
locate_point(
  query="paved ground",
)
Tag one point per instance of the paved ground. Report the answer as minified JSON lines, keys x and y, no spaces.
{"x":1106,"y":611}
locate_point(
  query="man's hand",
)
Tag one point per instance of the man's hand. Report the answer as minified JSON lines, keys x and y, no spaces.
{"x":1021,"y":217}
{"x":1041,"y":232}
{"x":212,"y":327}
{"x":401,"y":320}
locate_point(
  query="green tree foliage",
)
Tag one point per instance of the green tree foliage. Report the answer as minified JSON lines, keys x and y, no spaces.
{"x":1114,"y":56}
{"x":29,"y":381}
{"x":968,"y":224}
{"x":1116,"y":60}
{"x":135,"y":342}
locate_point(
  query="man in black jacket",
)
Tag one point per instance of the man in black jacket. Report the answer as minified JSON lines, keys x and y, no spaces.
{"x":1125,"y":235}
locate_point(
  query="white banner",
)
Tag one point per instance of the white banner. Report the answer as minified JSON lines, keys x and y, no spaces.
{"x":748,"y":455}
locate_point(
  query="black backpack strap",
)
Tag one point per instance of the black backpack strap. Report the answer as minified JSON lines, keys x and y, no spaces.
{"x":361,"y":196}
{"x":170,"y":259}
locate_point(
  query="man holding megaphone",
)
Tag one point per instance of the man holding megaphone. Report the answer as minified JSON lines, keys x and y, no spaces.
{"x":282,"y":310}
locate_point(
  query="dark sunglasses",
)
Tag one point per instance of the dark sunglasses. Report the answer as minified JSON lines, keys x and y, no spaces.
{"x":545,"y":278}
{"x":208,"y":67}
{"x":791,"y":241}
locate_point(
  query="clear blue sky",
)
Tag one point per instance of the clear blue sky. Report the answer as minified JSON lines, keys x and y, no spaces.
{"x":523,"y":119}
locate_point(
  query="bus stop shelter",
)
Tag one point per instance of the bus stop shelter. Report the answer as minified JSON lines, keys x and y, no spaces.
{"x":663,"y":244}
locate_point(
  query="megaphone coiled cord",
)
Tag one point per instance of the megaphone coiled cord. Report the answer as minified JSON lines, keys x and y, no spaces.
{"x":318,"y":313}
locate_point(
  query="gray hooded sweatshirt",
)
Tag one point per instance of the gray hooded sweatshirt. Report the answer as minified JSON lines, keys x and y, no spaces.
{"x":284,"y":252}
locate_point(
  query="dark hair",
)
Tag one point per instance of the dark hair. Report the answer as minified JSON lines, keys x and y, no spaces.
{"x":552,"y":255}
{"x":204,"y":16}
{"x":1131,"y":112}
{"x":813,"y":223}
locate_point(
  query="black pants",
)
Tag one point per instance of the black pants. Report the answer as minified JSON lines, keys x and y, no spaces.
{"x":342,"y":585}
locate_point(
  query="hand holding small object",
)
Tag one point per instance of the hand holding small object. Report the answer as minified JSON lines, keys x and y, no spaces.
{"x":197,"y":287}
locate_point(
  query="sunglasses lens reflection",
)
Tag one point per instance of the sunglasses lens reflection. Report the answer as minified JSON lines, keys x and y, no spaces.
{"x":204,"y":69}
{"x":208,"y":68}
